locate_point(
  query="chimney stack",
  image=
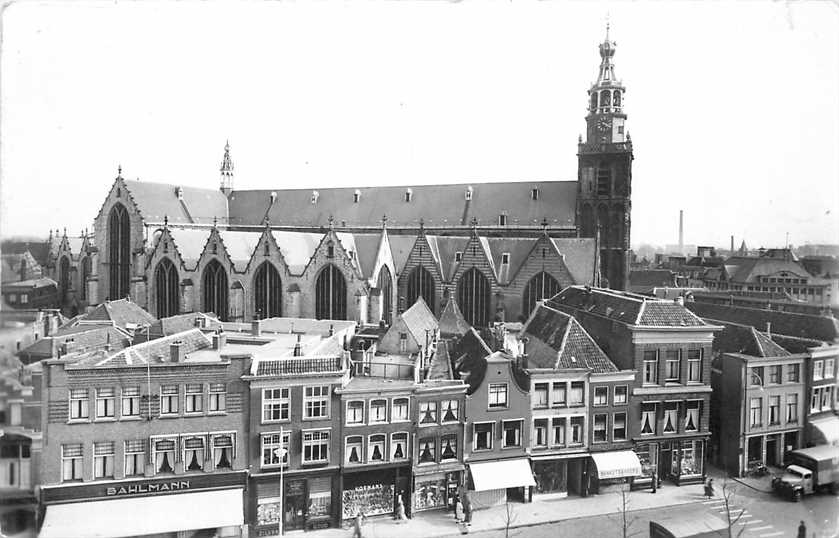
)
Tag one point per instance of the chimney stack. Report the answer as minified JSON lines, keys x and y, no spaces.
{"x":681,"y":232}
{"x":175,"y":351}
{"x":769,"y":329}
{"x":298,"y":348}
{"x":256,"y":327}
{"x":732,"y":246}
{"x":219,"y":340}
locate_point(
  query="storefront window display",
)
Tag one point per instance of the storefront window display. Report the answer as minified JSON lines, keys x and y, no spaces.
{"x":370,"y":500}
{"x":268,"y":512}
{"x":430,"y":493}
{"x":550,"y":476}
{"x":691,"y":458}
{"x":645,"y":457}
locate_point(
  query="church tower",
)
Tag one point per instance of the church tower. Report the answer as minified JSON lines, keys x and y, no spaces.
{"x":226,"y":171}
{"x":604,"y":176}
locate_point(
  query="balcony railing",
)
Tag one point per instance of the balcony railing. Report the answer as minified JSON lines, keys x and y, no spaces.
{"x":301,"y":365}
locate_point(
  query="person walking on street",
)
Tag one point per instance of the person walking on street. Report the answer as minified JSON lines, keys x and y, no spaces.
{"x":357,"y":522}
{"x":709,"y":488}
{"x":467,"y":510}
{"x":802,"y":530}
{"x":458,"y":510}
{"x":400,"y":509}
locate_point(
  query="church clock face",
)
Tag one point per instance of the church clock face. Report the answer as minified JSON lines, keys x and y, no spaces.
{"x":604,"y":124}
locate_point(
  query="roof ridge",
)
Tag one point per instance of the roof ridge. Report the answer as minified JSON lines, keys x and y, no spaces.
{"x":564,"y":342}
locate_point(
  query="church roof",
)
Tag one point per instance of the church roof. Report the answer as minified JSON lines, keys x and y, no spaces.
{"x":297,"y":248}
{"x":155,"y":201}
{"x":579,"y":256}
{"x":438,"y":205}
{"x":367,"y":251}
{"x":452,"y":322}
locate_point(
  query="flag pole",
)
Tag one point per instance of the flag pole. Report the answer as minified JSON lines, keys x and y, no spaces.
{"x":282,"y":497}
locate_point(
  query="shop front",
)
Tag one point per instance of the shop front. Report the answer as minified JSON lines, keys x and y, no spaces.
{"x":436,"y":488}
{"x":682,"y":461}
{"x":373,"y":491}
{"x":823,"y":431}
{"x":614,"y":470}
{"x":176,"y":507}
{"x":307,"y":502}
{"x":557,"y":477}
{"x":494,"y":483}
{"x":648,"y":458}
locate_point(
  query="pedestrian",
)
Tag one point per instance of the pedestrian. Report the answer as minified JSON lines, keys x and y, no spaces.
{"x":802,"y":530}
{"x":400,"y":509}
{"x":709,"y":488}
{"x":458,"y":510}
{"x":359,"y":520}
{"x":467,"y":510}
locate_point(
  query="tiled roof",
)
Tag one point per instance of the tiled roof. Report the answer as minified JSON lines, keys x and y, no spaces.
{"x":564,"y":343}
{"x":668,"y":314}
{"x":121,"y":312}
{"x":452,"y":322}
{"x":437,"y":205}
{"x":181,"y":323}
{"x":748,"y":341}
{"x":158,"y":200}
{"x":154,"y":351}
{"x":78,"y":338}
{"x":468,"y":356}
{"x":419,"y":319}
{"x":29,"y":284}
{"x":579,"y":257}
{"x":824,"y":328}
{"x":441,"y":367}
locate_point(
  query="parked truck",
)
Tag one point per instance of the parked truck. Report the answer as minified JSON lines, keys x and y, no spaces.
{"x":809,"y":470}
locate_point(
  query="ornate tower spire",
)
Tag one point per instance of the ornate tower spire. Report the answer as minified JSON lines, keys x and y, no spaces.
{"x":606,"y":96}
{"x":226,"y":170}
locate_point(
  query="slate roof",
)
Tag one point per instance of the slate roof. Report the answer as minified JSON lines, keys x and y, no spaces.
{"x":557,"y":340}
{"x":153,"y":351}
{"x":749,"y":268}
{"x":40,"y":249}
{"x":625,"y":307}
{"x":400,"y":249}
{"x":367,"y":252}
{"x":29,"y":284}
{"x":748,"y":341}
{"x":297,"y":248}
{"x":823,"y":328}
{"x":445,"y":247}
{"x":579,"y":257}
{"x":190,"y":243}
{"x":121,"y":312}
{"x":440,"y":367}
{"x":240,"y":246}
{"x":158,"y":200}
{"x":452,"y":322}
{"x":518,"y":249}
{"x":419,"y":319}
{"x":437,"y":205}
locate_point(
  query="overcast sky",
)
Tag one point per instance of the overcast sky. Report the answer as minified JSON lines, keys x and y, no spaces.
{"x":733,"y":107}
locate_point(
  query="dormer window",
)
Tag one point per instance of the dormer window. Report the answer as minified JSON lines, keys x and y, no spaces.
{"x":502,"y":219}
{"x":534,"y":194}
{"x":315,"y":195}
{"x":458,"y":256}
{"x":469,"y":193}
{"x":505,"y":258}
{"x":408,"y":195}
{"x":356,"y":196}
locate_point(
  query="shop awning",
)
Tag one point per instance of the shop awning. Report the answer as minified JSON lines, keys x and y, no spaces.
{"x":144,"y":515}
{"x":619,"y":464}
{"x":501,"y":474}
{"x":825,"y":431}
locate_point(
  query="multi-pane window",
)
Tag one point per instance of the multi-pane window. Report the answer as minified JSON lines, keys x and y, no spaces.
{"x":620,"y":395}
{"x":398,"y":446}
{"x":774,"y":410}
{"x":692,"y":410}
{"x":558,"y":431}
{"x":619,"y":427}
{"x":316,"y":446}
{"x":792,"y":407}
{"x":378,"y":411}
{"x":540,"y":395}
{"x":559,"y":391}
{"x":354,"y":449}
{"x":601,"y":396}
{"x":275,"y":449}
{"x":756,"y":411}
{"x":275,"y":405}
{"x":448,"y":447}
{"x":818,"y":369}
{"x":672,"y":365}
{"x":671,"y":413}
{"x":648,"y":426}
{"x":497,"y":395}
{"x":483,"y":435}
{"x":793,"y":373}
{"x":756,"y":373}
{"x":355,"y":412}
{"x":450,"y":411}
{"x":650,"y":367}
{"x":599,"y":428}
{"x":194,"y":398}
{"x":376,"y":448}
{"x":164,"y":456}
{"x":194,"y":453}
{"x":403,"y":342}
{"x":512,"y":433}
{"x":577,"y":430}
{"x":130,"y":402}
{"x":399,"y":410}
{"x":428,"y":412}
{"x":316,"y":402}
{"x":169,"y":400}
{"x":427,"y":450}
{"x":694,"y":365}
{"x":79,"y":404}
{"x":577,"y":393}
{"x":829,"y":365}
{"x":135,"y":454}
{"x":218,"y":397}
{"x":223,"y":451}
{"x":71,"y":462}
{"x":540,"y":432}
{"x":103,"y":459}
{"x":105,"y":401}
{"x":775,"y":374}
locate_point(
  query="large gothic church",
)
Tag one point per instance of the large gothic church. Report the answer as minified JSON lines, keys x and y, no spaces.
{"x":363,"y":253}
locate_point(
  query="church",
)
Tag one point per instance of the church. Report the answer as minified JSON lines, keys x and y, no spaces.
{"x":363,"y":254}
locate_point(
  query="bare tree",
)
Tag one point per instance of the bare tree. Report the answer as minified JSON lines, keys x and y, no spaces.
{"x":625,"y":519}
{"x":510,"y":519}
{"x":732,"y":515}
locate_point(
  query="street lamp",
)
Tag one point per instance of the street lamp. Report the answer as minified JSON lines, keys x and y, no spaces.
{"x":281,"y":454}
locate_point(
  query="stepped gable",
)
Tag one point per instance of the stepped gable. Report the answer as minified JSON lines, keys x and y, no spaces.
{"x":437,"y":205}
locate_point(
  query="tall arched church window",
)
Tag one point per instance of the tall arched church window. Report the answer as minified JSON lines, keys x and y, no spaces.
{"x":605,"y":98}
{"x":617,"y":98}
{"x":541,"y":286}
{"x":331,"y":294}
{"x":85,"y":273}
{"x":604,"y":180}
{"x":64,"y":279}
{"x":420,"y":284}
{"x":119,"y":252}
{"x":215,"y":290}
{"x":385,"y":286}
{"x":473,"y":297}
{"x":166,"y":285}
{"x":268,"y":289}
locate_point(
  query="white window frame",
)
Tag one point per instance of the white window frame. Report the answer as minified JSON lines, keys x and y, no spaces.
{"x":775,"y":398}
{"x":504,"y":423}
{"x":605,"y":401}
{"x":454,"y":445}
{"x":625,"y":395}
{"x":829,"y":366}
{"x":792,"y":417}
{"x":558,"y":424}
{"x":493,"y":397}
{"x":668,"y":362}
{"x":537,"y":404}
{"x":370,"y":448}
{"x":321,"y":400}
{"x":393,"y":445}
{"x":424,"y":408}
{"x":615,"y":436}
{"x":554,"y":402}
{"x":445,"y":407}
{"x":130,"y":399}
{"x":571,"y":388}
{"x":76,"y":463}
{"x":371,"y":418}
{"x":167,"y":397}
{"x":697,"y":411}
{"x":535,"y":429}
{"x":756,"y":412}
{"x":491,"y":443}
{"x":360,"y":445}
{"x":217,"y":399}
{"x":212,"y":450}
{"x":186,"y":459}
{"x":191,"y":398}
{"x":134,"y":454}
{"x":284,"y":442}
{"x":104,"y":401}
{"x":315,"y":442}
{"x":81,"y":405}
{"x":361,"y":407}
{"x":605,"y":428}
{"x":153,"y":442}
{"x":283,"y":404}
{"x":104,"y":459}
{"x":695,"y":362}
{"x":393,"y":407}
{"x":571,"y":423}
{"x":432,"y":445}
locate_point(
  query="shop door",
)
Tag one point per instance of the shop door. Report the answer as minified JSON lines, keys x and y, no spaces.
{"x":402,"y":485}
{"x":294,"y":511}
{"x":772,"y":451}
{"x":665,"y":461}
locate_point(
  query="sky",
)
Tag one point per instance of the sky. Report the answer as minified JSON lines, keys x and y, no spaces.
{"x":733,"y":108}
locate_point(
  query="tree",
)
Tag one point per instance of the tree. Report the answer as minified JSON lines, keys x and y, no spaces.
{"x":625,"y":519}
{"x":510,"y":519}
{"x":732,"y":515}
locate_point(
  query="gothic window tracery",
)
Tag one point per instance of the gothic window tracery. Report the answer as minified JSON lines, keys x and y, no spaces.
{"x":267,"y":292}
{"x":215,"y":290}
{"x":119,"y":252}
{"x":473,"y":297}
{"x":421,"y":284}
{"x":166,"y":286}
{"x":331,"y":294}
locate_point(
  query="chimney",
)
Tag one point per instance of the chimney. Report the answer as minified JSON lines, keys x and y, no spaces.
{"x":680,"y":300}
{"x":176,"y":351}
{"x":732,"y":246}
{"x":681,"y":232}
{"x":769,"y":329}
{"x":256,"y":328}
{"x":219,"y":340}
{"x":298,"y":348}
{"x":331,"y":329}
{"x":199,"y":322}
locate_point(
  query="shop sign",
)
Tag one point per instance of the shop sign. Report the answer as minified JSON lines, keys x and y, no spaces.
{"x":133,"y":489}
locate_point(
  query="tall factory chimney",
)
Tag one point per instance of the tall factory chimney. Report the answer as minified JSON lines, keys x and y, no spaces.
{"x":682,"y":232}
{"x":732,"y":246}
